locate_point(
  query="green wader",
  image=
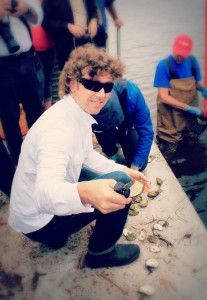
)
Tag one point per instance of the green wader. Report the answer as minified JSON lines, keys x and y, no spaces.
{"x":172,"y":122}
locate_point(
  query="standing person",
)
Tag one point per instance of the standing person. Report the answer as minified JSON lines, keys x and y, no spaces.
{"x":72,"y":23}
{"x":44,"y":45}
{"x":18,"y":76}
{"x":47,"y":202}
{"x":177,"y":78}
{"x":125,"y":119}
{"x":108,"y":5}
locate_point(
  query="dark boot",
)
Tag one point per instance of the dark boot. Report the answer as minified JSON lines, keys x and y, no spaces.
{"x":120,"y":255}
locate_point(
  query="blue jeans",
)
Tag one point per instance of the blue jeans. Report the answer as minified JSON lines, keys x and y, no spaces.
{"x":107,"y":230}
{"x":18,"y":84}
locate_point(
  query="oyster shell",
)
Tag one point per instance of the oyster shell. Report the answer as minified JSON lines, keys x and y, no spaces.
{"x":134,"y":209}
{"x":131,"y":236}
{"x":158,"y":227}
{"x":137,"y":198}
{"x":155,"y":249}
{"x":151,"y":158}
{"x":143,"y":234}
{"x":152,"y":239}
{"x":151,"y":264}
{"x":143,"y":202}
{"x":159,"y":181}
{"x":147,"y":290}
{"x":136,"y":187}
{"x":153,"y":194}
{"x":126,"y":231}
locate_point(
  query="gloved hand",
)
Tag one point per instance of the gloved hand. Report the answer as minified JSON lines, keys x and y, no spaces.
{"x":197,"y":111}
{"x":203,"y":92}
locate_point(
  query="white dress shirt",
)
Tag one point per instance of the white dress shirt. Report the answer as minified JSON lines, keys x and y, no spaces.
{"x":55,"y":149}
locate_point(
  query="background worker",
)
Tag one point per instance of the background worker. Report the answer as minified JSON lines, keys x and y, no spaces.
{"x":73,"y":23}
{"x":178,"y":79}
{"x":109,"y":6}
{"x":125,"y":119}
{"x":44,"y":45}
{"x":18,"y":76}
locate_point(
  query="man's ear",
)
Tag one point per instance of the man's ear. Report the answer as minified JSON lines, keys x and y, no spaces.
{"x":73,"y":85}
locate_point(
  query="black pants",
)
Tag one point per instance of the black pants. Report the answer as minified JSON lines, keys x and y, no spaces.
{"x":18,"y":84}
{"x":7,"y":170}
{"x":106,"y":232}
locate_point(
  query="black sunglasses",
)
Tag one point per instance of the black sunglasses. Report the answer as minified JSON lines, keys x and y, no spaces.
{"x":96,"y":86}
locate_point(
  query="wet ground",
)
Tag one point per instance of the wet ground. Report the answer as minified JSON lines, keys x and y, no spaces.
{"x":189,"y":166}
{"x":146,"y":37}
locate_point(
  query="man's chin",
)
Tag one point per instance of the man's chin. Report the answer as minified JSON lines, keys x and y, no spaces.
{"x":95,"y":111}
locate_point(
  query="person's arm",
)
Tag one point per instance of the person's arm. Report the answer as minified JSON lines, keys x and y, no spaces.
{"x":200,"y":87}
{"x":56,"y":194}
{"x":162,"y":82}
{"x":30,"y":9}
{"x":92,"y":27}
{"x":165,"y":98}
{"x":114,"y":15}
{"x":101,"y":195}
{"x":50,"y":22}
{"x":140,"y":116}
{"x":92,"y":12}
{"x":169,"y":100}
{"x":5,"y":7}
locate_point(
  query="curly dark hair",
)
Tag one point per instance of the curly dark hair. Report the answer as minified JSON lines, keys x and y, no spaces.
{"x":88,"y":59}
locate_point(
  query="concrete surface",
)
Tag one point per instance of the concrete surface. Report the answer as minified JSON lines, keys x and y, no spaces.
{"x":30,"y":271}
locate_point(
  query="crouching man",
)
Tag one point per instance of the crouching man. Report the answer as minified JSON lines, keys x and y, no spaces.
{"x":48,"y":203}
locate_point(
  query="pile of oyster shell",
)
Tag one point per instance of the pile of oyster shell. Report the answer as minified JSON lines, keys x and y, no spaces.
{"x":136,"y":189}
{"x":138,"y":200}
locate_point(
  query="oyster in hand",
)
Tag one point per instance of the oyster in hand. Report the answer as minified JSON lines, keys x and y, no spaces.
{"x":136,"y":187}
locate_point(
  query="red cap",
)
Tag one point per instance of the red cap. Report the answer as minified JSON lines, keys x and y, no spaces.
{"x":183,"y":45}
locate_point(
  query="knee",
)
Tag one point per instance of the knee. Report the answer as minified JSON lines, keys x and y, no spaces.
{"x":120,"y":176}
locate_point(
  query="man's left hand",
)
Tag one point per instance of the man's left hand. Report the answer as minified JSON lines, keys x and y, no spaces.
{"x":204,"y":93}
{"x":20,"y":9}
{"x":92,"y":28}
{"x":136,"y":175}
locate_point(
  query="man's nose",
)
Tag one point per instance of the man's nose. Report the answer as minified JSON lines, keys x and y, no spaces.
{"x":101,"y":93}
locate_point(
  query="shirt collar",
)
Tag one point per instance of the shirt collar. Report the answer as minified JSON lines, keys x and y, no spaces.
{"x":70,"y":100}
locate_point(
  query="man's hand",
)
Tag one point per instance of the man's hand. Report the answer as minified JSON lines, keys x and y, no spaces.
{"x":136,"y":175}
{"x":5,"y":7}
{"x":101,"y":195}
{"x":118,"y":23}
{"x":203,"y":92}
{"x":76,"y":30}
{"x":92,"y":28}
{"x":196,"y":111}
{"x":20,"y":9}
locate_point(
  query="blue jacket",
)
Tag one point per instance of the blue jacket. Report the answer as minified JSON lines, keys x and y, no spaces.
{"x":137,"y":114}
